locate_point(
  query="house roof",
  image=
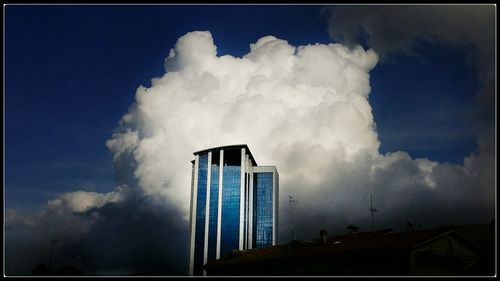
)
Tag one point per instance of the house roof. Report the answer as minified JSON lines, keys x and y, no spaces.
{"x":368,"y":241}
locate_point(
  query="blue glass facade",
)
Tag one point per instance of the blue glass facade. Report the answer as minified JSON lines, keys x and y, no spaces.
{"x":245,"y":209}
{"x":262,"y":210}
{"x":230,"y":228}
{"x":212,"y":222}
{"x":200,"y":214}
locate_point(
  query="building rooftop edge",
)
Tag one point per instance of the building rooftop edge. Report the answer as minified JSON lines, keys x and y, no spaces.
{"x":232,"y":146}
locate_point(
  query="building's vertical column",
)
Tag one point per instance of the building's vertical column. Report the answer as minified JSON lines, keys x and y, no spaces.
{"x":194,"y":195}
{"x":191,"y":215}
{"x":207,"y":210}
{"x":247,"y":201}
{"x":242,"y":197}
{"x":219,"y":209}
{"x":245,"y":206}
{"x":250,"y":209}
{"x":274,"y":207}
{"x":277,"y":202}
{"x":245,"y":214}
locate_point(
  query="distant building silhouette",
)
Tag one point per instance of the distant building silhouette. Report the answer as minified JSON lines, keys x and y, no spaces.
{"x":234,"y":204}
{"x":440,"y":251}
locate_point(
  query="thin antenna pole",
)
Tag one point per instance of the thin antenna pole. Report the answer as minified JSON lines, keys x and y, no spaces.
{"x":290,"y":199}
{"x":291,"y":225}
{"x":372,"y":210}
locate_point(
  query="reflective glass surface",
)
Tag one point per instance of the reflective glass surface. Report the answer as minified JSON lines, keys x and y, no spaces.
{"x":262,"y":209}
{"x":230,"y":224}
{"x":200,"y":214}
{"x":212,"y":219}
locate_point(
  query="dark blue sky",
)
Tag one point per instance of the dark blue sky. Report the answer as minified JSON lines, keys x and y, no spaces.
{"x":71,"y":72}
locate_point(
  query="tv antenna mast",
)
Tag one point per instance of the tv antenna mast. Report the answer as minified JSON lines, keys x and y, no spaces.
{"x":290,"y":199}
{"x":372,"y":210}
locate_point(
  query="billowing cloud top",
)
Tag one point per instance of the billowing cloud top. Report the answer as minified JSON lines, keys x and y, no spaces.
{"x":304,"y":109}
{"x":295,"y":108}
{"x":400,"y":29}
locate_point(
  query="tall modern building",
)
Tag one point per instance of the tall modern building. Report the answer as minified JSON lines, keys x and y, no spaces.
{"x":234,"y":204}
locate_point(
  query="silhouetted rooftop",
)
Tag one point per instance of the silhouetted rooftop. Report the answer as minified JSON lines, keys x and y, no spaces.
{"x":383,"y":240}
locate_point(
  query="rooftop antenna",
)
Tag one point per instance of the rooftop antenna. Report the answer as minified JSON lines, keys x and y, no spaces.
{"x":372,"y":210}
{"x":409,"y":225}
{"x":290,"y":198}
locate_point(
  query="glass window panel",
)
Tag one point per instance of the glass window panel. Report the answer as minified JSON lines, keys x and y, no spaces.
{"x":263,"y":210}
{"x":230,"y":225}
{"x":212,"y":224}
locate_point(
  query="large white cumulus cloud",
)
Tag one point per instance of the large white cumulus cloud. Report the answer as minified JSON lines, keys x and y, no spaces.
{"x":304,"y":109}
{"x":294,"y":107}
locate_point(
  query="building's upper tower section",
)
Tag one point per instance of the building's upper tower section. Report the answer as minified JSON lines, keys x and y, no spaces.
{"x":234,"y":204}
{"x":228,"y":148}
